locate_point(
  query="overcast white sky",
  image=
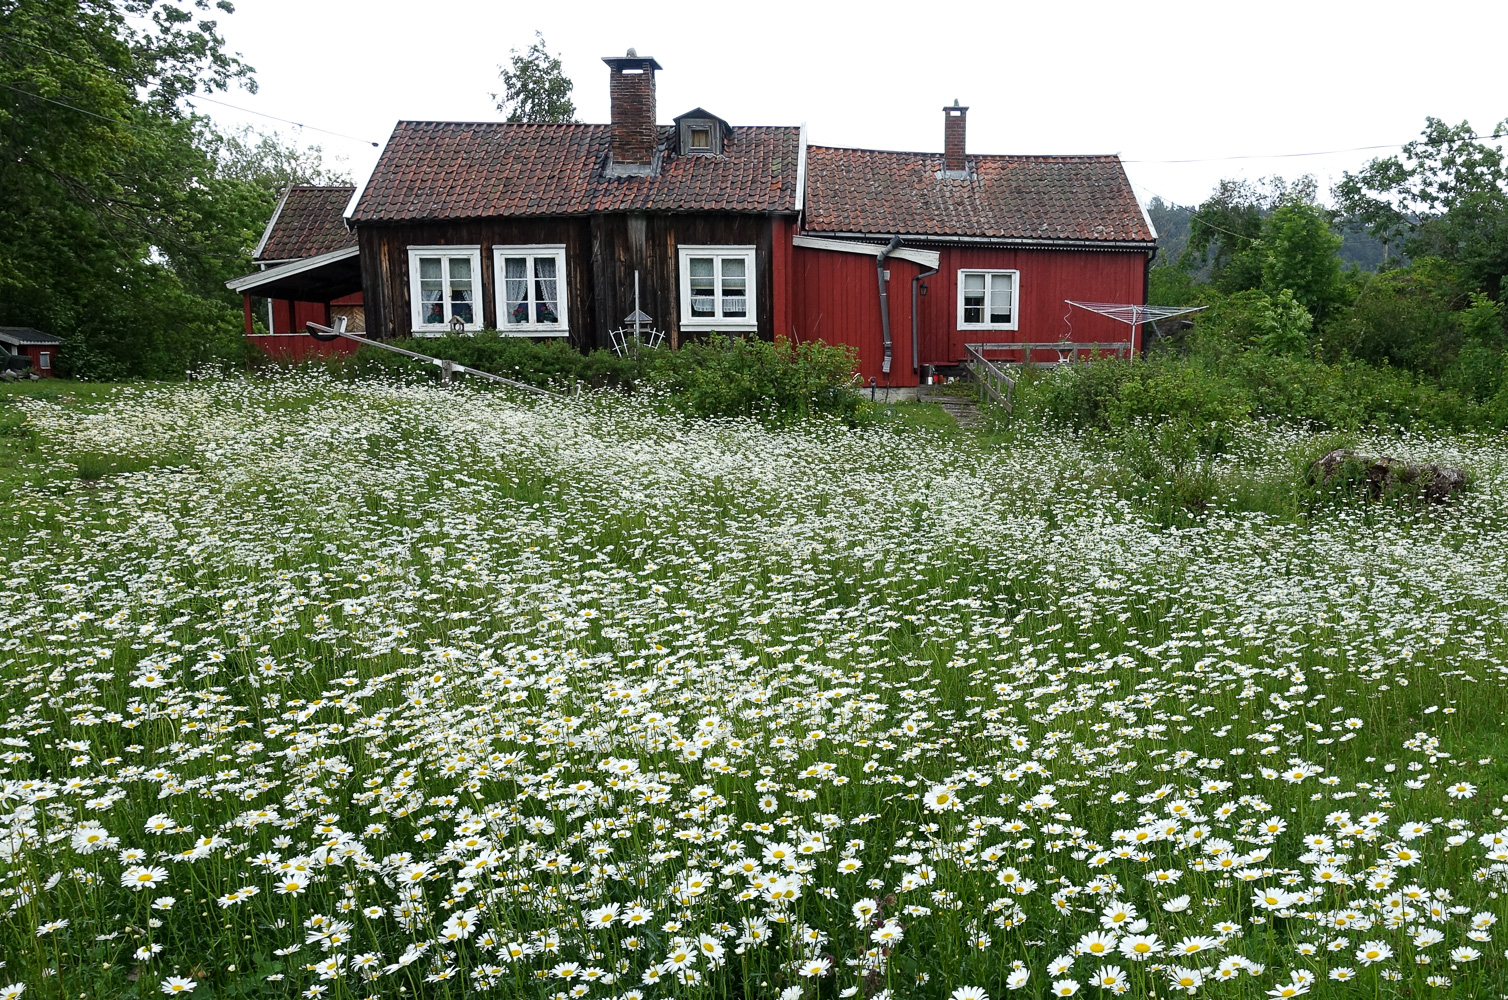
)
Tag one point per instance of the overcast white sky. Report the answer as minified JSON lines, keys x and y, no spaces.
{"x":1152,"y":81}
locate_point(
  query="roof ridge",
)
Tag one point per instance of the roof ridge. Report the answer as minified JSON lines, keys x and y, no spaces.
{"x":441,"y":121}
{"x":986,"y":156}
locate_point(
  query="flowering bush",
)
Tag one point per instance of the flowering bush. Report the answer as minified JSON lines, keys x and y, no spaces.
{"x":388,"y":689}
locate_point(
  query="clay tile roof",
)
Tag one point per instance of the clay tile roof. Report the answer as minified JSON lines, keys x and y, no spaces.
{"x":1002,"y":197}
{"x":307,"y":223}
{"x":469,"y":170}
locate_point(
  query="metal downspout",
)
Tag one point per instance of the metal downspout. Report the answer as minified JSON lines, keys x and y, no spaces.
{"x":916,"y":365}
{"x":879,"y":273}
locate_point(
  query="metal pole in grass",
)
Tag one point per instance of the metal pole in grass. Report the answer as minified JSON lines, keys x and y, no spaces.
{"x":327,"y":334}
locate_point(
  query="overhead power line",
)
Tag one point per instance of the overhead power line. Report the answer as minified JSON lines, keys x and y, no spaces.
{"x":290,"y":121}
{"x":1319,"y":152}
{"x":187,"y":97}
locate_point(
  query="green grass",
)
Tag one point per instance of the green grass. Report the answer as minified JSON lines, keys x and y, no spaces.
{"x":471,"y":670}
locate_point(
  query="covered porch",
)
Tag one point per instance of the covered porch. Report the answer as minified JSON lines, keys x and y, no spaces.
{"x":318,"y":288}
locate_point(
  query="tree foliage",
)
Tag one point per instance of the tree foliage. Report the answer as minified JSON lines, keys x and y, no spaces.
{"x":535,"y":87}
{"x":1269,"y":235}
{"x":1444,"y":195}
{"x":124,"y":213}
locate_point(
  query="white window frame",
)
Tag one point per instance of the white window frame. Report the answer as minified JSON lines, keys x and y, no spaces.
{"x":474,"y":253}
{"x":719,"y":252}
{"x":1015,"y":323}
{"x":44,"y":361}
{"x":500,"y":291}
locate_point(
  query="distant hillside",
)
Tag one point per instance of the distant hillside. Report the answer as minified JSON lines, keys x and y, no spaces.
{"x":1172,"y":223}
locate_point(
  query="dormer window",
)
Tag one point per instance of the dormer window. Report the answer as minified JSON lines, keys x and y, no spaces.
{"x":701,"y":133}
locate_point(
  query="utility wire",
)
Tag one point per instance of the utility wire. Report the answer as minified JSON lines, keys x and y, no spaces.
{"x":72,"y":107}
{"x":187,"y":97}
{"x":312,"y":128}
{"x":1321,"y":152}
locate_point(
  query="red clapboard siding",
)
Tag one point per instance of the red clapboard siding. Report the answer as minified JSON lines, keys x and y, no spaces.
{"x":290,"y":340}
{"x":835,"y":299}
{"x":1047,"y":277}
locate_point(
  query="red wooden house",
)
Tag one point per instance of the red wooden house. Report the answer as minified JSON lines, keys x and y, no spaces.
{"x":987,"y":249}
{"x":538,"y":230}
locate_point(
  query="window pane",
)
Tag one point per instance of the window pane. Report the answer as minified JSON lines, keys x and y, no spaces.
{"x":545,"y":308}
{"x":431,"y":290}
{"x":1000,"y":298}
{"x":515,"y":290}
{"x":735,"y":288}
{"x":461,"y":309}
{"x":973,"y":298}
{"x":703,"y":288}
{"x":460,"y":280}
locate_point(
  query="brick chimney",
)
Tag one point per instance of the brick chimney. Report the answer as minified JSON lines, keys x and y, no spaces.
{"x":635,"y":133}
{"x":954,"y":129}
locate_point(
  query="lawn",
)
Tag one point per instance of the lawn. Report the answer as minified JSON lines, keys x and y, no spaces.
{"x":368,"y":689}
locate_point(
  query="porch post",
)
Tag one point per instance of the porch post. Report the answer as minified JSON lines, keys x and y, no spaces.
{"x":246,"y":311}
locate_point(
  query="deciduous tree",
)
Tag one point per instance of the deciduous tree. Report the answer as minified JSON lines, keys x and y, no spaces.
{"x":1444,"y":195}
{"x":123,"y":211}
{"x":535,"y":87}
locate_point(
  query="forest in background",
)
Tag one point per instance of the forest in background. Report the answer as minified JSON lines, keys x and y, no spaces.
{"x":1402,"y":269}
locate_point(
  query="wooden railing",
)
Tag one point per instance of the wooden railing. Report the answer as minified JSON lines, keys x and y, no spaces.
{"x":1065,"y":350}
{"x":998,"y":385}
{"x":995,"y":383}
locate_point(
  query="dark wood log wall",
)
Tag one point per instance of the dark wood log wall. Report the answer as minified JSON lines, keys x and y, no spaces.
{"x":602,"y":252}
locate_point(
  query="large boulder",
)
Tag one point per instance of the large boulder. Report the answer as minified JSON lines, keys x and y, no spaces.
{"x":1380,"y":475}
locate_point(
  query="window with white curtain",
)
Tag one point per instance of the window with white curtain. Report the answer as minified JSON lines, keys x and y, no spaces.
{"x":717,"y":288}
{"x":445,"y":283}
{"x":530,"y":282}
{"x":987,"y":299}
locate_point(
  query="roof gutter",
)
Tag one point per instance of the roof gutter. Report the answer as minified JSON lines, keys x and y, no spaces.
{"x":923,"y":239}
{"x":884,"y":281}
{"x":248,"y":283}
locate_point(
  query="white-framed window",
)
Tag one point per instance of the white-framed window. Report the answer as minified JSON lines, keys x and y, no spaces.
{"x":717,"y":288}
{"x":987,"y":300}
{"x":531,"y":290}
{"x":445,"y":283}
{"x":44,"y":360}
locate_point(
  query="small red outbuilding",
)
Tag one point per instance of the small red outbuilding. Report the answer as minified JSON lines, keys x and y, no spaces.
{"x":35,"y":346}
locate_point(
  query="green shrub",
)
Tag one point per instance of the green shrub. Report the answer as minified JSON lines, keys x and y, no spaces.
{"x":759,"y":378}
{"x":1118,"y":396}
{"x":1210,"y":394}
{"x":773,"y":382}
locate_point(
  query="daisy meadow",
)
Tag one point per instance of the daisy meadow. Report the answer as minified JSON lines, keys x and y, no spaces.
{"x":387,"y":689}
